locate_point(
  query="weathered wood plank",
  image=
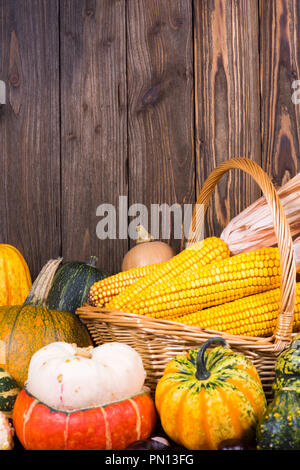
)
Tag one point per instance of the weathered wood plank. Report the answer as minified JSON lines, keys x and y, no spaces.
{"x":93,"y":125}
{"x":160,"y":104}
{"x":29,"y":129}
{"x":227,"y":100}
{"x":280,"y":67}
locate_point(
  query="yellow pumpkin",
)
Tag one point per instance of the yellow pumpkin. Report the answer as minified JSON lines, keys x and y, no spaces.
{"x":205,"y":398}
{"x":15,"y":279}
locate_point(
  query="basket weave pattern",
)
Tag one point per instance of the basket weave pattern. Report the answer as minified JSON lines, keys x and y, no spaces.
{"x":158,"y":341}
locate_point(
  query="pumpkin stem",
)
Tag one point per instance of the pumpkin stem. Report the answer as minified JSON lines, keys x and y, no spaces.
{"x":202,"y":373}
{"x":40,"y":288}
{"x":92,"y":261}
{"x":143,"y":235}
{"x":83,"y":352}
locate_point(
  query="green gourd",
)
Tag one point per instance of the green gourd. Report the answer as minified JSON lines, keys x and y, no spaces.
{"x":72,"y":283}
{"x":8,"y":393}
{"x":288,"y":364}
{"x":279,"y":428}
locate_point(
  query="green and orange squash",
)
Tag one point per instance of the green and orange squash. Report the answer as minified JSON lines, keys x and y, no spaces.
{"x":15,"y":279}
{"x":287,"y":366}
{"x":207,"y":397}
{"x":72,"y":283}
{"x":24,"y":329}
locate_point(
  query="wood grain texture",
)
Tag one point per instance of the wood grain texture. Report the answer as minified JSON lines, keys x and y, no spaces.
{"x":280,"y":67}
{"x":226,"y":100}
{"x":93,"y":125}
{"x":29,"y":130}
{"x":160,"y":104}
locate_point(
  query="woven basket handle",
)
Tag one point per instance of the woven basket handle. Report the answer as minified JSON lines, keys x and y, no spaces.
{"x":284,"y":327}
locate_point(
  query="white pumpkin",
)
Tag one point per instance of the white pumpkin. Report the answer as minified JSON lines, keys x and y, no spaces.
{"x":6,"y":433}
{"x":65,"y":377}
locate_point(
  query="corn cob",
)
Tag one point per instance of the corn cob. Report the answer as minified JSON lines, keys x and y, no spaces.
{"x":230,"y":279}
{"x":255,"y":315}
{"x":103,"y":291}
{"x":192,"y":258}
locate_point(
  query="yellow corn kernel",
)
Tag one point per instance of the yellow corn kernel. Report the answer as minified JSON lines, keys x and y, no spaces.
{"x":255,"y":315}
{"x":192,"y":258}
{"x":215,"y":284}
{"x":103,"y":291}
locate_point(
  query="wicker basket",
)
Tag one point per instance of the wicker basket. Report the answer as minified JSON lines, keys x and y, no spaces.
{"x":158,"y":341}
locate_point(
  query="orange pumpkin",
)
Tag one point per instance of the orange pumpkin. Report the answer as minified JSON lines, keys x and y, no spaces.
{"x":15,"y":280}
{"x":107,"y":427}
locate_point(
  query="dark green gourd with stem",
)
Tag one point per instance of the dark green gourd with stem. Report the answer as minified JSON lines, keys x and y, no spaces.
{"x":279,"y":428}
{"x":72,"y":283}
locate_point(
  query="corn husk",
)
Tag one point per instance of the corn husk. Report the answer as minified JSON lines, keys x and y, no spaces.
{"x":253,"y":228}
{"x":297,"y":253}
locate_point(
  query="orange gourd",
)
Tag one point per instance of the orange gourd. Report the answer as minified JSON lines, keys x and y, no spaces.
{"x":15,"y":280}
{"x":146,"y":251}
{"x":106,"y":427}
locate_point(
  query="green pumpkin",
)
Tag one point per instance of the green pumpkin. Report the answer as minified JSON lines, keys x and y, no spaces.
{"x":279,"y":428}
{"x":72,"y":283}
{"x":8,"y":393}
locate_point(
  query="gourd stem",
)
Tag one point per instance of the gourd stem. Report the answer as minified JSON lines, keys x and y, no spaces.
{"x":40,"y":288}
{"x":93,"y":260}
{"x":143,"y":235}
{"x":202,"y":373}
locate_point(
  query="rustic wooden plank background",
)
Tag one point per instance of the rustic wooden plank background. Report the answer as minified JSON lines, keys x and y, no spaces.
{"x":29,"y":129}
{"x":138,"y":98}
{"x":93,"y":124}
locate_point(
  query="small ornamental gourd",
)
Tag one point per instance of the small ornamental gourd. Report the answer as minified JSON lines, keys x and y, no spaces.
{"x":15,"y":280}
{"x":24,"y":329}
{"x":205,"y":398}
{"x":84,"y":399}
{"x":72,"y":283}
{"x":288,"y":365}
{"x":146,"y":251}
{"x":279,"y":428}
{"x":6,"y":433}
{"x":8,"y":393}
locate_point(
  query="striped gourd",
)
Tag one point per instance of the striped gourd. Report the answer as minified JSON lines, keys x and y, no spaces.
{"x":8,"y":392}
{"x":204,"y":398}
{"x":255,"y":315}
{"x":15,"y":279}
{"x":191,"y":259}
{"x":104,"y":290}
{"x":224,"y":281}
{"x":108,"y":427}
